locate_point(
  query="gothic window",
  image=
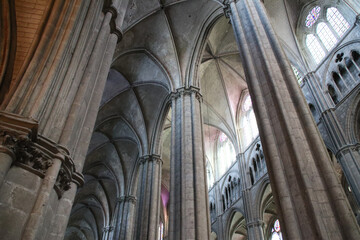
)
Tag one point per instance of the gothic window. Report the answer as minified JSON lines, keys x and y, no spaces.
{"x":326,"y":36}
{"x":337,"y":21}
{"x":248,"y":122}
{"x":323,"y":31}
{"x":333,"y":94}
{"x":276,"y":231}
{"x":315,"y":48}
{"x":226,"y":154}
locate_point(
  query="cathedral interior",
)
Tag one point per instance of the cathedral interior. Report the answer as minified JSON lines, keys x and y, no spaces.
{"x":180,"y":119}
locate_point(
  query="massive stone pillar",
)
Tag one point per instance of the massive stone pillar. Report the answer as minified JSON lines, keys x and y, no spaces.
{"x":148,"y":212}
{"x":61,"y":89}
{"x":189,"y":204}
{"x":311,"y":202}
{"x":35,"y":172}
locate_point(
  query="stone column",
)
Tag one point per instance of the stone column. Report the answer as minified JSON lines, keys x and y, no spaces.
{"x":148,"y":213}
{"x":347,"y":151}
{"x":255,"y":230}
{"x":36,"y":171}
{"x":124,"y":219}
{"x":254,"y":224}
{"x":311,"y":202}
{"x":189,"y":204}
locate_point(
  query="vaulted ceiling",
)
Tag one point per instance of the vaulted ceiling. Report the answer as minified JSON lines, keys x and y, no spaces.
{"x":166,"y":44}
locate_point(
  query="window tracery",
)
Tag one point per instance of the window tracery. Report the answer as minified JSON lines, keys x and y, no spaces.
{"x":324,"y":27}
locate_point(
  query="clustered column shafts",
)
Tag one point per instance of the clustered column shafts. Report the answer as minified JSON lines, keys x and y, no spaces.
{"x":189,"y":205}
{"x":310,"y":200}
{"x":78,"y":113}
{"x":124,"y":220}
{"x":148,"y":216}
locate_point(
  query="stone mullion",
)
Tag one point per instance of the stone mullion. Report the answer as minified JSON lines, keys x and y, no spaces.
{"x":310,"y":200}
{"x":189,"y":209}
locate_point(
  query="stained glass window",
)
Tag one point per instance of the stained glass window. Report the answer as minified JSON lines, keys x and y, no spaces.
{"x":337,"y":21}
{"x":276,"y":231}
{"x":312,"y":16}
{"x":315,"y":48}
{"x":326,"y":36}
{"x":297,"y":74}
{"x":161,"y":231}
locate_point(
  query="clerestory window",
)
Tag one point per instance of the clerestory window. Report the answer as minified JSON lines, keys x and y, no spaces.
{"x":324,"y":27}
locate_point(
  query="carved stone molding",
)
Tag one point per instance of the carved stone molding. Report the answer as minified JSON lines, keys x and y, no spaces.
{"x":256,"y":223}
{"x":35,"y":153}
{"x":348,"y":148}
{"x":150,"y":158}
{"x":187,"y":91}
{"x":129,"y":198}
{"x":357,"y":20}
{"x":226,"y":8}
{"x":108,"y":229}
{"x":110,"y":8}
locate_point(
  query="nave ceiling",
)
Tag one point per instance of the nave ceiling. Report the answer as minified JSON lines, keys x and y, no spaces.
{"x":166,"y":44}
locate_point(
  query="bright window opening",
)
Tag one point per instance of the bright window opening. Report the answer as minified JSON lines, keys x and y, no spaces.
{"x":337,"y":21}
{"x":326,"y":36}
{"x":312,"y":16}
{"x":315,"y":48}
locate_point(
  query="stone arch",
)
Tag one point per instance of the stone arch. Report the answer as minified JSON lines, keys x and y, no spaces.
{"x":235,"y":224}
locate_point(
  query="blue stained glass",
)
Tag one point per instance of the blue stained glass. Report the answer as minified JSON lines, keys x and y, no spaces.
{"x":313,"y":16}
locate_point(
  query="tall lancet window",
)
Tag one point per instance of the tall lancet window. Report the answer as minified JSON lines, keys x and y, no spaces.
{"x":248,"y":122}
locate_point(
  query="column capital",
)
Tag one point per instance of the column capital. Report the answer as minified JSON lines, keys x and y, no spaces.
{"x":150,"y":158}
{"x":34,"y":153}
{"x":348,"y":148}
{"x":108,"y":229}
{"x":357,"y":20}
{"x":114,"y":28}
{"x":127,"y":198}
{"x":227,"y":8}
{"x":187,"y":91}
{"x":255,"y":223}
